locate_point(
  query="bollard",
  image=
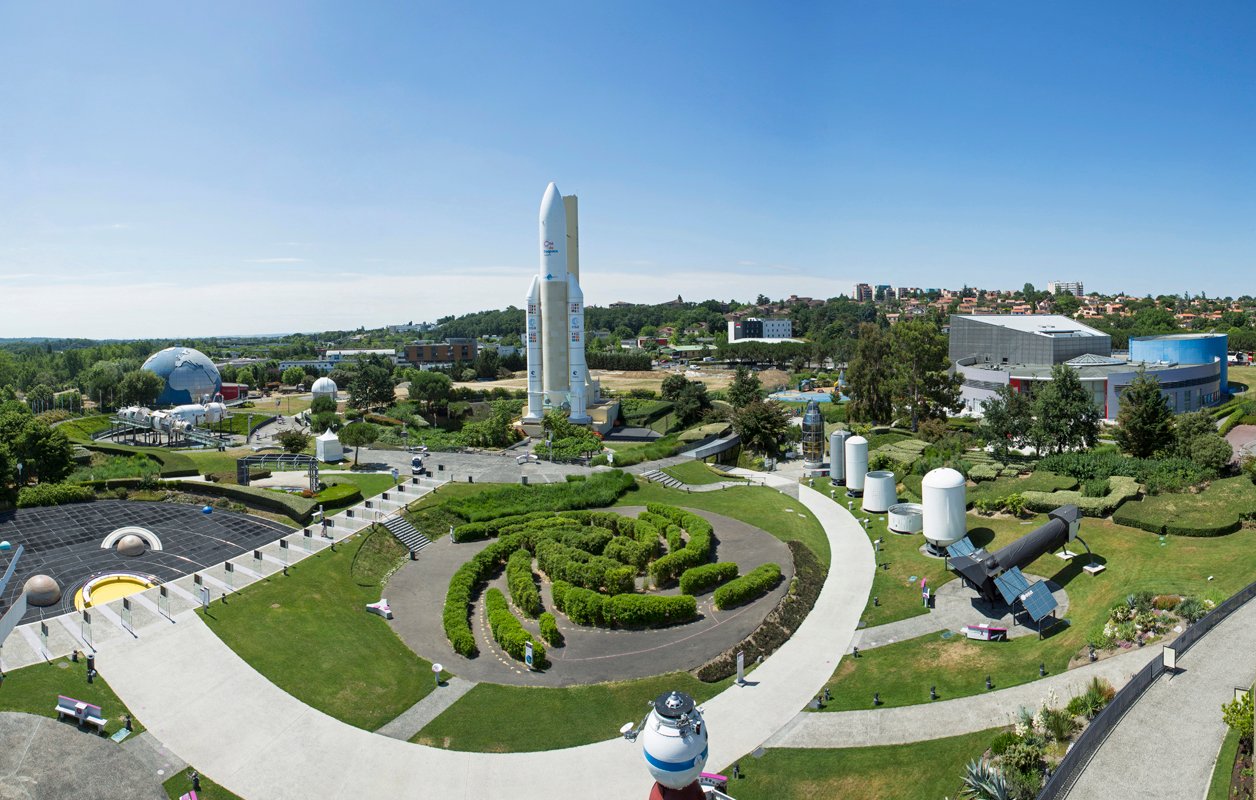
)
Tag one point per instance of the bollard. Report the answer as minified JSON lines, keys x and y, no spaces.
{"x":933,"y":692}
{"x":989,"y":685}
{"x":876,"y":699}
{"x":1042,"y":670}
{"x":91,"y":667}
{"x":876,"y":601}
{"x":854,"y":652}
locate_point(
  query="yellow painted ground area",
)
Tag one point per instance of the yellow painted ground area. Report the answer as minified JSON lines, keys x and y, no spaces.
{"x":110,"y":588}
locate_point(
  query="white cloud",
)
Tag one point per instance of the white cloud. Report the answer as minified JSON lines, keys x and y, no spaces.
{"x":282,"y":260}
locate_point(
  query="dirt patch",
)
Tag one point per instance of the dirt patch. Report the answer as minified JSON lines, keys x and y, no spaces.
{"x":948,"y":654}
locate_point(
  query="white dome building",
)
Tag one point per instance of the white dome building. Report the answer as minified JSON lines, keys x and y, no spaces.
{"x":324,"y":387}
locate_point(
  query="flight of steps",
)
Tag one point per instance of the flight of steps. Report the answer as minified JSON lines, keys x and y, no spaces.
{"x":407,"y":534}
{"x":662,"y":478}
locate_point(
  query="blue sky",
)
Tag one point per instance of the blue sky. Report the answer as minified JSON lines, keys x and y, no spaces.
{"x":170,"y":170}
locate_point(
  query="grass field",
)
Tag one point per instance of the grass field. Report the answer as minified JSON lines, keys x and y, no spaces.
{"x":370,"y":484}
{"x":1135,"y":560}
{"x":308,"y":634}
{"x":492,"y":718}
{"x":783,"y":517}
{"x":1246,"y":376}
{"x":81,"y":429}
{"x":179,"y":784}
{"x":1219,"y":507}
{"x":1219,"y":786}
{"x":918,"y":771}
{"x":34,"y":690}
{"x":694,"y":473}
{"x":1041,"y":481}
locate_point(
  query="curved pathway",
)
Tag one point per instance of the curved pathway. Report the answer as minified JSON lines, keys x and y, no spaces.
{"x":212,"y":709}
{"x":952,"y":717}
{"x":1183,"y":712}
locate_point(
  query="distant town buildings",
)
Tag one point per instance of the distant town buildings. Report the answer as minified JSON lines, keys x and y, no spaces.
{"x":454,"y":350}
{"x":331,"y":358}
{"x":862,"y":293}
{"x":1072,"y":287}
{"x":755,"y":328}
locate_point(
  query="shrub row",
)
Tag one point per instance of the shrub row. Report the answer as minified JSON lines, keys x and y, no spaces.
{"x":626,"y":610}
{"x":53,"y":494}
{"x":1120,"y":489}
{"x":549,"y":630}
{"x":1157,"y":474}
{"x":508,"y":632}
{"x":463,"y":584}
{"x":601,"y":489}
{"x":748,"y":587}
{"x":699,"y":579}
{"x":173,"y":464}
{"x":696,"y":551}
{"x":519,"y":579}
{"x":579,"y":568}
{"x":665,"y":447}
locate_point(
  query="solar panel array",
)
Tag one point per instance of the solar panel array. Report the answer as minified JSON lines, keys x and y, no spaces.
{"x":963,"y":547}
{"x":1038,"y":601}
{"x":1012,"y":584}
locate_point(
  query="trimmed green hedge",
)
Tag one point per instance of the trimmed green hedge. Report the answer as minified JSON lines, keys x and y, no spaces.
{"x":549,"y":630}
{"x":649,"y":611}
{"x":53,"y":494}
{"x":699,"y":579}
{"x":463,"y":584}
{"x":508,"y":632}
{"x":601,"y":489}
{"x":748,"y":587}
{"x":1120,"y":489}
{"x":519,"y":579}
{"x":697,"y":550}
{"x":1218,"y":510}
{"x":173,"y":464}
{"x":562,"y":562}
{"x":1157,"y":474}
{"x":584,"y":606}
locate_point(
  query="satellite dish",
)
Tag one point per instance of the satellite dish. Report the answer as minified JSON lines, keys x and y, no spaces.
{"x":625,"y":728}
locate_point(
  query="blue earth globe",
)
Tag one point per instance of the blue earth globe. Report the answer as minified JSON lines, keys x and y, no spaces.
{"x":189,"y":376}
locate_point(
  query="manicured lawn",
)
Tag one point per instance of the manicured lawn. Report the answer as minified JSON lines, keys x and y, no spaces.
{"x":34,"y":690}
{"x":1219,"y":786}
{"x":1245,"y":375}
{"x":919,"y":771}
{"x":783,"y":517}
{"x":179,"y":784}
{"x":1218,"y":508}
{"x":694,"y":473}
{"x":309,"y":634}
{"x":208,"y":461}
{"x":904,"y":671}
{"x":370,"y":484}
{"x":493,"y":718}
{"x":81,"y":429}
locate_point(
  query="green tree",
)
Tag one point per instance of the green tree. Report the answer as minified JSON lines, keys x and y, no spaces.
{"x":1065,"y":417}
{"x":691,"y":403}
{"x":245,"y":376}
{"x":293,"y":376}
{"x":1189,"y":427}
{"x":1145,"y":421}
{"x":39,"y":397}
{"x":323,"y":405}
{"x":487,"y":362}
{"x":1066,"y":303}
{"x":673,"y":385}
{"x":745,"y":388}
{"x":139,"y":387}
{"x":371,"y":387}
{"x":922,"y":383}
{"x":44,"y":452}
{"x":761,"y":426}
{"x":8,"y":468}
{"x":1238,"y":717}
{"x":430,"y":387}
{"x":293,"y":441}
{"x":1212,"y":452}
{"x":869,"y":377}
{"x":100,"y":380}
{"x":357,"y":434}
{"x":1006,"y":420}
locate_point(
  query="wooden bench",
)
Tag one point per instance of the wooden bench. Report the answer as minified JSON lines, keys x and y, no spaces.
{"x":81,"y":711}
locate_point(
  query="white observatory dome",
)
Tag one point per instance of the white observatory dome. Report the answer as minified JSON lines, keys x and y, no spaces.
{"x":674,"y":741}
{"x":880,"y":491}
{"x":945,"y":500}
{"x":856,"y":463}
{"x":324,"y":387}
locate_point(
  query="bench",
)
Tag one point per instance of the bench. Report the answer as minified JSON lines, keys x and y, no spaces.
{"x":81,"y":711}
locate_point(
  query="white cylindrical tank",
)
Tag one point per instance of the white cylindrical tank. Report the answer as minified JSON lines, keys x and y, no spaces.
{"x":945,"y":500}
{"x":674,"y":741}
{"x":324,"y":387}
{"x":553,"y":278}
{"x":906,"y":517}
{"x":837,"y":456}
{"x":880,"y":491}
{"x":856,"y":464}
{"x":214,"y":412}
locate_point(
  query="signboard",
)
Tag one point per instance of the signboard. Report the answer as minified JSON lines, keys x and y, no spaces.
{"x":126,"y":615}
{"x":308,"y":538}
{"x":257,"y":556}
{"x":205,"y":597}
{"x":12,"y":617}
{"x":527,"y":654}
{"x":43,"y":637}
{"x":741,"y":668}
{"x":87,"y":627}
{"x":1170,"y":659}
{"x":229,"y":571}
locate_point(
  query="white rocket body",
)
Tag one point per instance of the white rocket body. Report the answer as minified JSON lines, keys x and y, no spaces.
{"x":532,"y":341}
{"x":575,"y":354}
{"x":553,"y":277}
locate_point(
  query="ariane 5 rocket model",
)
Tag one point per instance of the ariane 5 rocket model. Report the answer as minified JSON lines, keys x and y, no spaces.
{"x":557,"y":375}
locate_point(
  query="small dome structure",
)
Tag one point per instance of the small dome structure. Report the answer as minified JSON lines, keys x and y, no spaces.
{"x":324,"y":387}
{"x":131,"y":545}
{"x":42,"y":591}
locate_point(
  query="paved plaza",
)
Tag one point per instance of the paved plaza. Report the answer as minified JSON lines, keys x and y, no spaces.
{"x":44,"y":759}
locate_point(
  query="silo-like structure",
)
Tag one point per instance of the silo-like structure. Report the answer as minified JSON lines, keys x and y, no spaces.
{"x":837,"y":456}
{"x":856,"y":465}
{"x":945,"y":500}
{"x":812,"y":437}
{"x":880,"y":491}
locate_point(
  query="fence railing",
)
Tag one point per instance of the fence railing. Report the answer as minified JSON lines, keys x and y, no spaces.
{"x":1083,"y":750}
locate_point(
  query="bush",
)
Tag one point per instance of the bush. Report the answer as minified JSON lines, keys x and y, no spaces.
{"x":1158,"y":474}
{"x":1023,"y":757}
{"x":559,"y":593}
{"x":549,"y":630}
{"x":1002,"y":741}
{"x":462,"y":586}
{"x":696,"y":551}
{"x":648,"y":611}
{"x":983,"y":472}
{"x":697,"y":580}
{"x":584,"y":606}
{"x":173,"y":464}
{"x":1191,"y":609}
{"x":1096,"y":487}
{"x":523,"y":592}
{"x":1121,"y":489}
{"x":508,"y":632}
{"x":53,"y":494}
{"x":748,"y":587}
{"x":579,"y":568}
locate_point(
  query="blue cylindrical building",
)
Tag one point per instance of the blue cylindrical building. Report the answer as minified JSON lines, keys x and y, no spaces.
{"x":1184,"y":348}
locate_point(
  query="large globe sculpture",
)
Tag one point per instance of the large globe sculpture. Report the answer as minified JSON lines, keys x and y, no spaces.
{"x":188,"y":374}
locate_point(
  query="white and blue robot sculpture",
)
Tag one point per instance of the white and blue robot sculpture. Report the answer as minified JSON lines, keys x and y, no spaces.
{"x":674,"y":744}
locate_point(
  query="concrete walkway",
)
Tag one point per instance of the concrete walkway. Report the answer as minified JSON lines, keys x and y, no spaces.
{"x":1181,"y":711}
{"x":412,"y":720}
{"x":952,"y":717}
{"x":215,"y":711}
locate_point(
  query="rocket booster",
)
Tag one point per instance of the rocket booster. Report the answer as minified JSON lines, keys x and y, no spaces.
{"x":553,"y":279}
{"x":577,"y":370}
{"x":532,"y":343}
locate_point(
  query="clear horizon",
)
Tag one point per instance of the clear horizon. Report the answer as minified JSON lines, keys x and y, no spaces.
{"x":178,"y":171}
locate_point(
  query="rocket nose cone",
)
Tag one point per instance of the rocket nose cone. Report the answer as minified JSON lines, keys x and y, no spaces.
{"x":551,"y":199}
